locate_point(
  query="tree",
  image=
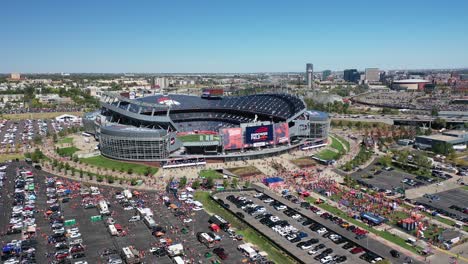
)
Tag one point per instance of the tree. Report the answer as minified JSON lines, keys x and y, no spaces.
{"x":385,"y":161}
{"x":183,"y":182}
{"x":247,"y":184}
{"x":81,"y":173}
{"x":442,"y":148}
{"x":130,"y":171}
{"x":209,"y":183}
{"x":37,"y":140}
{"x":439,"y":123}
{"x":358,"y":125}
{"x":225,"y":183}
{"x":110,"y":179}
{"x":196,"y":184}
{"x":234,"y":182}
{"x":147,"y":171}
{"x":434,"y":111}
{"x":54,"y":138}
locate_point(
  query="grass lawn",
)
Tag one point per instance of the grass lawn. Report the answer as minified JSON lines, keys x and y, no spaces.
{"x":195,"y":138}
{"x":465,"y":187}
{"x":67,"y":140}
{"x":344,"y":141}
{"x":384,"y":234}
{"x":245,"y":171}
{"x":304,"y":162}
{"x":250,"y":235}
{"x":445,"y":220}
{"x":337,"y":145}
{"x":47,"y":115}
{"x":67,"y":152}
{"x":210,"y":174}
{"x":327,"y":154}
{"x":103,"y":162}
{"x":12,"y":156}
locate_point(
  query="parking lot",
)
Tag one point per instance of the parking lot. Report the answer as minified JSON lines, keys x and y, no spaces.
{"x":451,"y":203}
{"x":375,"y":177}
{"x":97,"y":241}
{"x":23,"y":131}
{"x":372,"y":249}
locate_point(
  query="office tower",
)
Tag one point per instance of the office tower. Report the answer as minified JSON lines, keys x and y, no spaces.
{"x":325,"y":75}
{"x":351,"y":75}
{"x":310,"y":75}
{"x":372,"y":75}
{"x":15,"y":76}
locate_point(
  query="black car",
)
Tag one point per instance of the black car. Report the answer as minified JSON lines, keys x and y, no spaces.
{"x":394,"y":253}
{"x":78,"y":255}
{"x":160,"y":252}
{"x":340,"y":259}
{"x":307,"y":222}
{"x":349,"y":245}
{"x":327,"y":251}
{"x":295,"y":240}
{"x":319,"y":246}
{"x":240,"y":215}
{"x":320,"y":256}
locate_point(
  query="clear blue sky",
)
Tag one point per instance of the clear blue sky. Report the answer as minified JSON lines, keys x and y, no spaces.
{"x":231,"y":36}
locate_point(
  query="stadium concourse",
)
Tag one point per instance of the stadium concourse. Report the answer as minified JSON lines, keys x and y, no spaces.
{"x":164,"y":127}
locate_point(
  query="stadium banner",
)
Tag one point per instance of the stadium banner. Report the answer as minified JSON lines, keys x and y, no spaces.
{"x":259,"y":135}
{"x":232,"y":138}
{"x":281,"y":133}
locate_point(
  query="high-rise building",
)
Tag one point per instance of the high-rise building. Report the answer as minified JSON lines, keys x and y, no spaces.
{"x":15,"y":76}
{"x":351,"y":75}
{"x":162,"y":82}
{"x":309,"y":75}
{"x":372,"y":75}
{"x":326,"y":74}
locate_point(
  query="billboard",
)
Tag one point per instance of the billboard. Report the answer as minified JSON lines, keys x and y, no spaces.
{"x":281,"y":133}
{"x":232,"y":138}
{"x":259,"y":135}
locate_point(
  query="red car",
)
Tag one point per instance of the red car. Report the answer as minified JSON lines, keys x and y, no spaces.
{"x":357,"y":250}
{"x":221,"y":253}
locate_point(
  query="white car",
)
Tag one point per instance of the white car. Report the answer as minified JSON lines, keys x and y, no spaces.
{"x":305,"y":247}
{"x":326,"y":259}
{"x":75,"y":235}
{"x":187,"y":220}
{"x":296,"y":216}
{"x":258,"y":195}
{"x":281,"y":207}
{"x":134,"y":218}
{"x":322,"y":230}
{"x":312,"y":252}
{"x":196,"y":208}
{"x":269,"y":200}
{"x":15,"y":220}
{"x":119,"y":197}
{"x":73,"y":230}
{"x":128,"y":208}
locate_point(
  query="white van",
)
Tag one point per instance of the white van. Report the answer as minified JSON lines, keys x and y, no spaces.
{"x":178,"y":260}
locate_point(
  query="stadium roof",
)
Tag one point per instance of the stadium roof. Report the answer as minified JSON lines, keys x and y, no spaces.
{"x":317,"y":115}
{"x":123,"y":130}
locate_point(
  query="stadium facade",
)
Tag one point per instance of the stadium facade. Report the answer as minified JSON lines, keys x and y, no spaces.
{"x":167,"y":126}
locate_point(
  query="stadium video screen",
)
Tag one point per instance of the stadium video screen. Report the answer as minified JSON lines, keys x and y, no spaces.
{"x":281,"y":133}
{"x":257,"y":135}
{"x":232,"y":138}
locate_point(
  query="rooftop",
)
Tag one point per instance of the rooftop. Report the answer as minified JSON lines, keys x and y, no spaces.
{"x":411,"y":81}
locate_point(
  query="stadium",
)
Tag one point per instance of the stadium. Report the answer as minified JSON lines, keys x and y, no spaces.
{"x":165,"y":127}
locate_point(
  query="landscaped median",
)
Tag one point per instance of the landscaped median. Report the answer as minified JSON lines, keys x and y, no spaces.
{"x":103,"y":162}
{"x":383,"y":234}
{"x":250,"y":235}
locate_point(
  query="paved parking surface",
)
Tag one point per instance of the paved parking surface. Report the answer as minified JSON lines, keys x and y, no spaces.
{"x":386,"y":180}
{"x":96,"y":237}
{"x":457,"y":197}
{"x":369,"y":243}
{"x":291,"y":247}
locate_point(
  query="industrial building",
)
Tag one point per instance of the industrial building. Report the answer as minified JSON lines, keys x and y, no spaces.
{"x":457,"y":138}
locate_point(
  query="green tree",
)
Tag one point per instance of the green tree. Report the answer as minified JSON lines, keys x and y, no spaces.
{"x":130,"y":171}
{"x":247,"y":184}
{"x":442,"y":148}
{"x":209,"y":183}
{"x":225,"y":183}
{"x":196,"y":184}
{"x":385,"y":161}
{"x":183,"y":182}
{"x":358,"y":125}
{"x":234,"y":182}
{"x":434,"y":111}
{"x":147,"y":171}
{"x":439,"y":123}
